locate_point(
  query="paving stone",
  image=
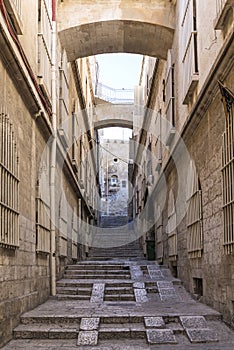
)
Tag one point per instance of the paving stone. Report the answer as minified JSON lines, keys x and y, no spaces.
{"x":97,"y":292}
{"x":162,"y":284}
{"x":154,"y":272}
{"x":140,"y":295}
{"x":201,"y":335}
{"x":193,"y":322}
{"x":87,"y":338}
{"x":167,"y":291}
{"x":169,"y":297}
{"x":136,"y":272}
{"x":160,"y":336}
{"x":155,"y":322}
{"x":88,"y":324}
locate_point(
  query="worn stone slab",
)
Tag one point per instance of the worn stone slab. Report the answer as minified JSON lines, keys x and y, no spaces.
{"x":201,"y":335}
{"x":139,"y":285}
{"x":160,"y":336}
{"x":89,"y":324}
{"x":169,"y":297}
{"x":162,"y":284}
{"x":87,"y":338}
{"x":136,"y":272}
{"x":167,"y":291}
{"x":155,"y":322}
{"x":140,"y":295}
{"x":97,"y":293}
{"x":194,"y":322}
{"x":154,"y":272}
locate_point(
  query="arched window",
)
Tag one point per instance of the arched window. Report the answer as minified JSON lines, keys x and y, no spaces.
{"x":9,"y":185}
{"x":194,"y":214}
{"x":171,"y":228}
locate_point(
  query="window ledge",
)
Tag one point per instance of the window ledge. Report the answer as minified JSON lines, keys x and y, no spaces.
{"x":191,"y":88}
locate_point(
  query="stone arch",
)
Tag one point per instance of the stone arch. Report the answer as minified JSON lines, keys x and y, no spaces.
{"x":112,"y":122}
{"x":111,"y":26}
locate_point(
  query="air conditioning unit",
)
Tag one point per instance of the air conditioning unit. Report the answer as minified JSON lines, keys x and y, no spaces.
{"x":75,"y":165}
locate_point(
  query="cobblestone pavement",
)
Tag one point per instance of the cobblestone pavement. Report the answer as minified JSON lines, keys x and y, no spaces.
{"x":121,"y":304}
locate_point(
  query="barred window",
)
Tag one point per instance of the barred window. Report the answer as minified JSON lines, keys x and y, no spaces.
{"x":228,"y":171}
{"x":43,"y":207}
{"x":63,"y":226}
{"x":169,"y":90}
{"x":171,"y":228}
{"x":9,"y":185}
{"x":194,"y":214}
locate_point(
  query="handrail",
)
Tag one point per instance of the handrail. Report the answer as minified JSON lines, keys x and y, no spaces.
{"x":112,"y":95}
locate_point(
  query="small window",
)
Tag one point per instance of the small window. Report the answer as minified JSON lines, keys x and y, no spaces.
{"x":198,"y":286}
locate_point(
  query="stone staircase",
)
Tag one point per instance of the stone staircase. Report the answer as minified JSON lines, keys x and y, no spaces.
{"x":121,"y":304}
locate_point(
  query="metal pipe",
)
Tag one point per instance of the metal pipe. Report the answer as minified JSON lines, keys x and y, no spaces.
{"x":53,"y":153}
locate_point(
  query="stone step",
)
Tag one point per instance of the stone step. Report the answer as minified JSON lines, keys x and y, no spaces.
{"x":74,"y":283}
{"x":97,"y":276}
{"x":46,"y":331}
{"x":118,"y":290}
{"x":119,"y":297}
{"x":122,"y":331}
{"x":74,"y":291}
{"x":96,"y":272}
{"x":108,"y":267}
{"x":72,"y":297}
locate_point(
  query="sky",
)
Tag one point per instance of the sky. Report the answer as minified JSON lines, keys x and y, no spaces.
{"x":119,"y":70}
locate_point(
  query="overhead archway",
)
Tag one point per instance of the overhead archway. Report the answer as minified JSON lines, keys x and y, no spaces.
{"x":144,"y":27}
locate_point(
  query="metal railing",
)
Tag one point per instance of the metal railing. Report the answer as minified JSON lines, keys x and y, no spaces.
{"x":112,"y":95}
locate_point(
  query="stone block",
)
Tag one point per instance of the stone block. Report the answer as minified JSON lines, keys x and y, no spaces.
{"x":87,"y":338}
{"x":201,"y":335}
{"x":162,"y":336}
{"x":194,"y":322}
{"x":154,"y":322}
{"x":89,"y":324}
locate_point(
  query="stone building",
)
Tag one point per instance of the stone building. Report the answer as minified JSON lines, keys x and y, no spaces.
{"x":181,"y":152}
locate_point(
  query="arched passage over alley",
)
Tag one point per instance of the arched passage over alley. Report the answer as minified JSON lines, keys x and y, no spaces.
{"x":110,"y":115}
{"x":109,"y":26}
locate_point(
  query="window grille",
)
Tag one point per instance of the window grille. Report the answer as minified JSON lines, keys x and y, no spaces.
{"x":9,"y":185}
{"x":63,"y":226}
{"x":63,"y":90}
{"x":194,"y":214}
{"x":171,"y":228}
{"x":43,"y":206}
{"x":228,"y":171}
{"x":45,"y":47}
{"x":169,"y":90}
{"x":189,"y":49}
{"x":74,"y":234}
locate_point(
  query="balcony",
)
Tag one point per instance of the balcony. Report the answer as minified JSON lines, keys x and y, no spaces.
{"x":222,"y":9}
{"x":13,"y":8}
{"x":115,"y":96}
{"x":190,"y":69}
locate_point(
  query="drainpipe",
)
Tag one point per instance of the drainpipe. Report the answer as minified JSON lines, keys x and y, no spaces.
{"x":53,"y":154}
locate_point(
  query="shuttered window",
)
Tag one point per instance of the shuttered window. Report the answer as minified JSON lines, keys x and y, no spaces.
{"x":9,"y":185}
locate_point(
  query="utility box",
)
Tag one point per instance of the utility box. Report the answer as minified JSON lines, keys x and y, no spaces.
{"x":150,"y":249}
